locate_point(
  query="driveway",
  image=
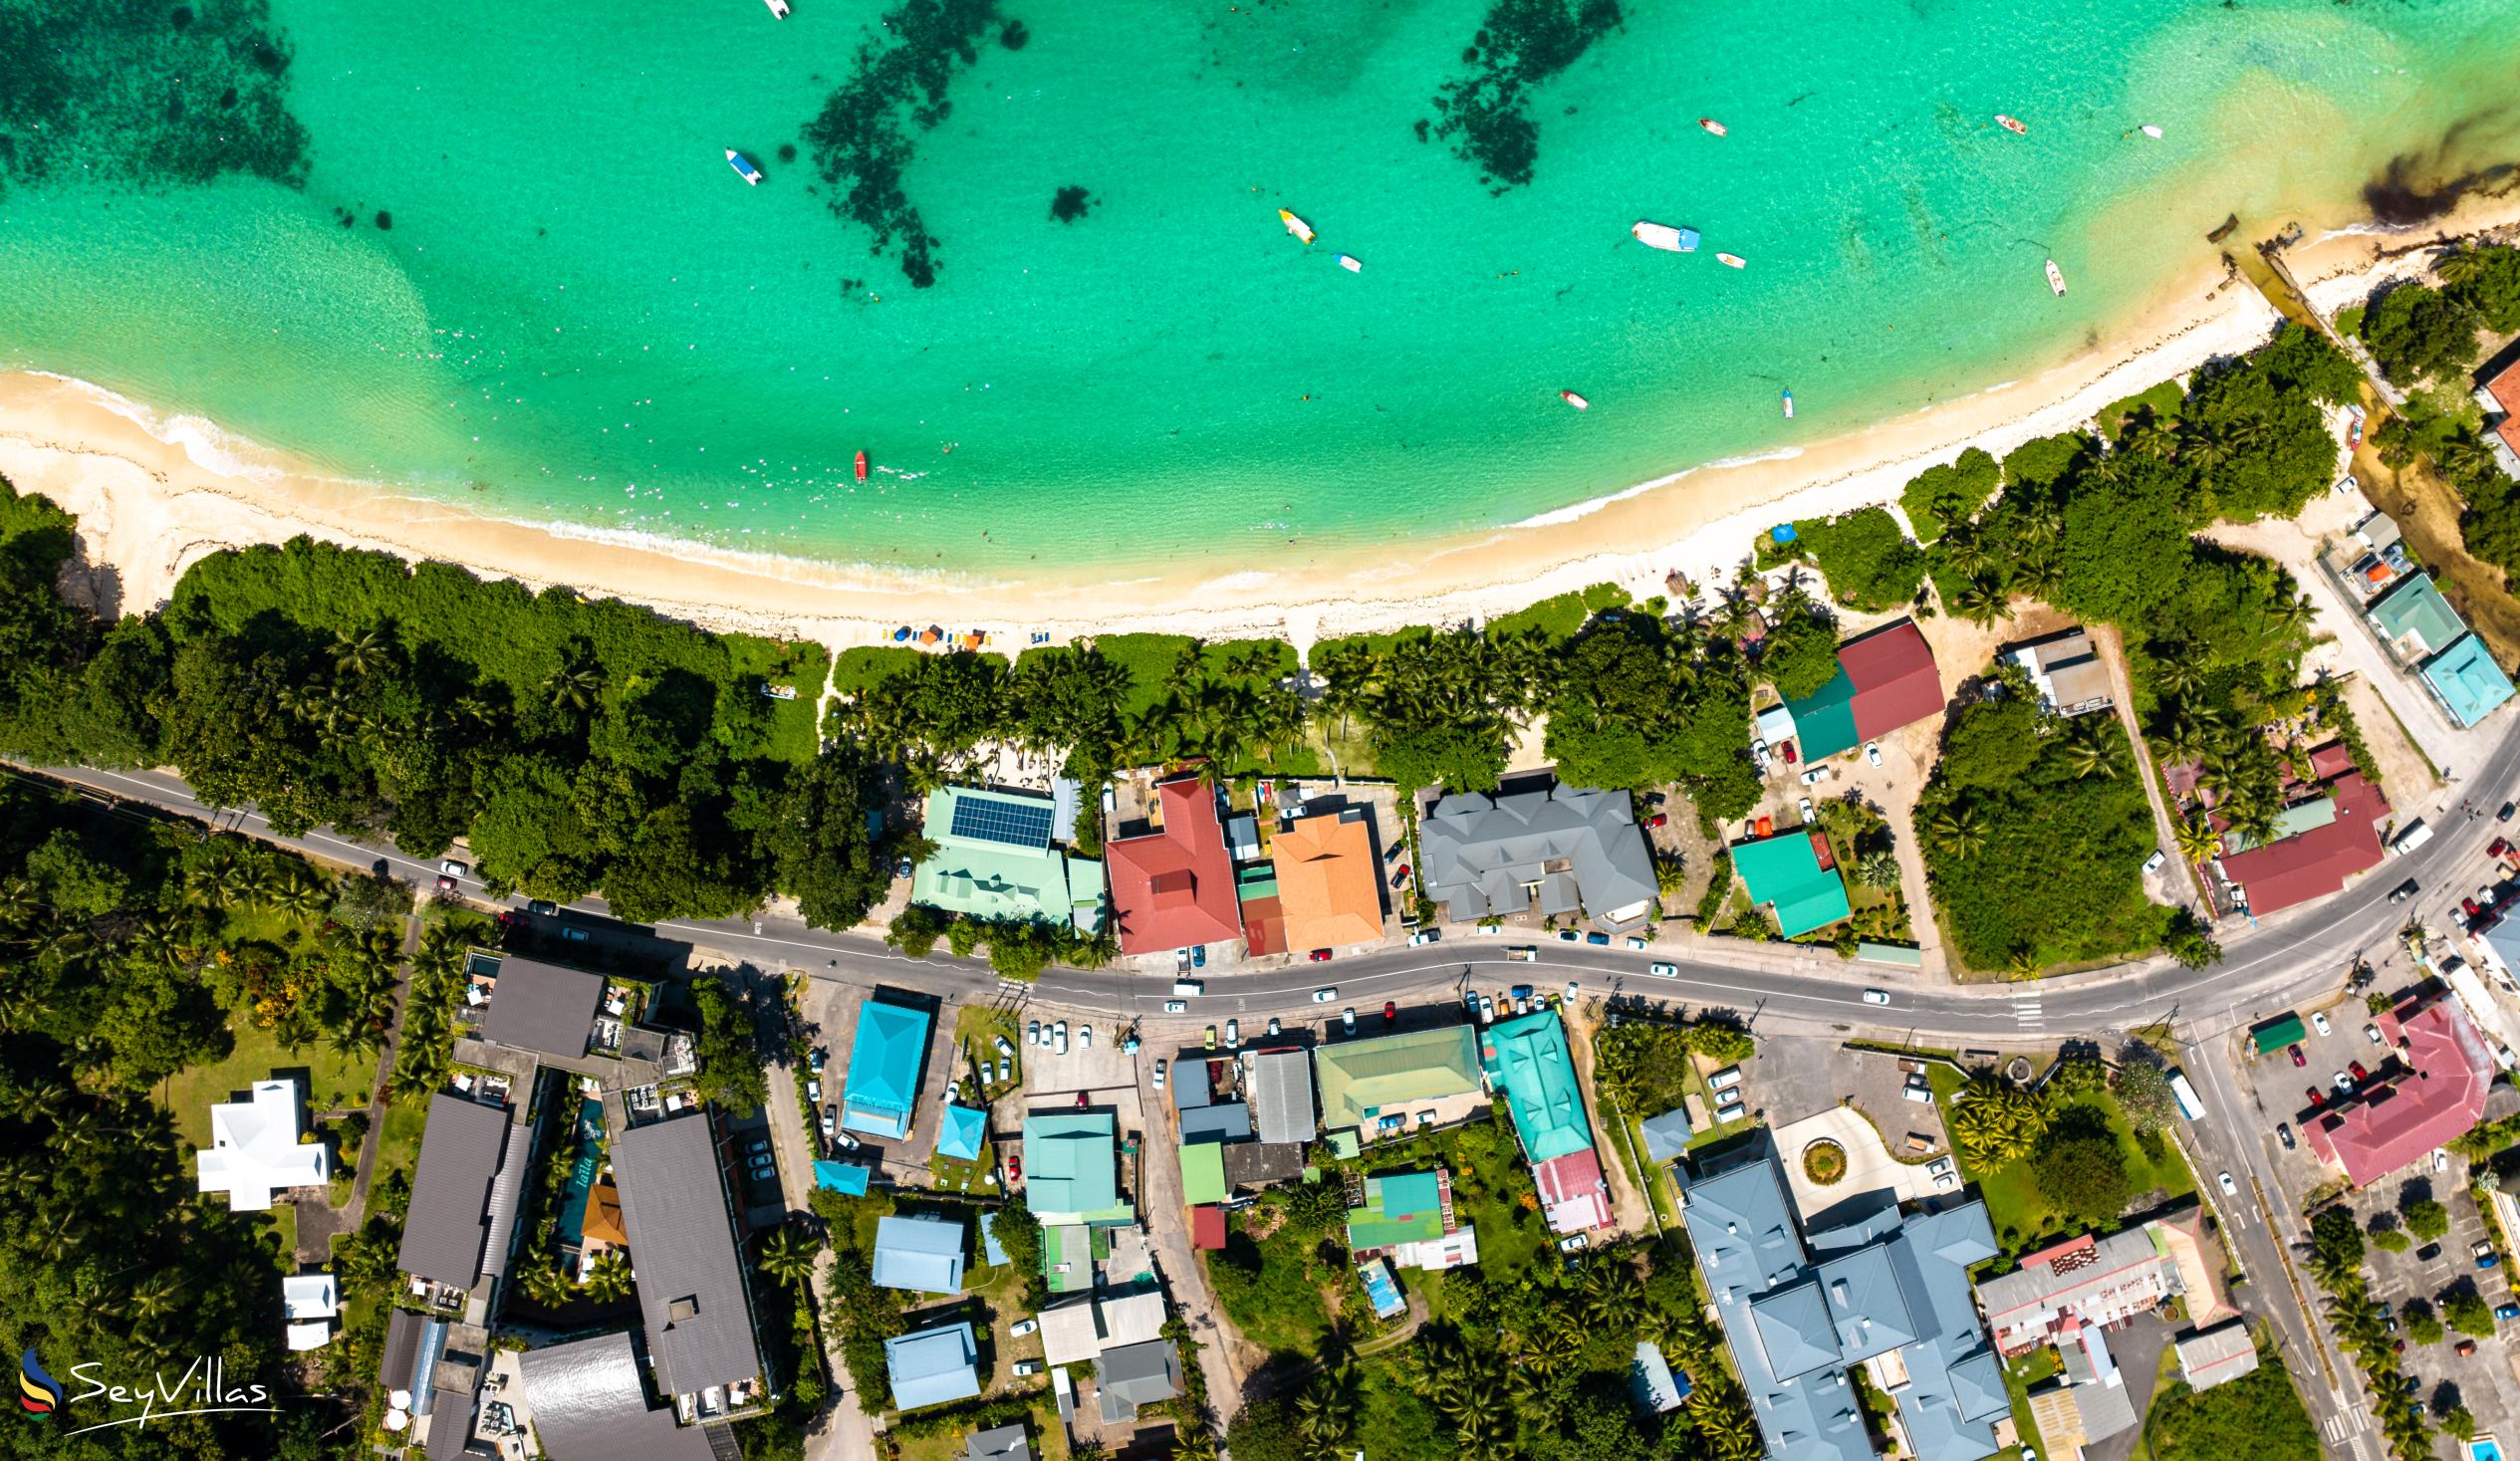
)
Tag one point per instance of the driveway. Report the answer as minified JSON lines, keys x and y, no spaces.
{"x":1869,"y":1166}
{"x":2113,"y":653}
{"x":1167,"y":1220}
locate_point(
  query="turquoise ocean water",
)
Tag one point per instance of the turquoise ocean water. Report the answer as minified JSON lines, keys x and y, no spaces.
{"x":580,"y":315}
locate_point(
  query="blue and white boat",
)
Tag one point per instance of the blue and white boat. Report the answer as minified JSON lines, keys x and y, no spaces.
{"x":1788,"y":405}
{"x":1664,"y":237}
{"x":743,"y":167}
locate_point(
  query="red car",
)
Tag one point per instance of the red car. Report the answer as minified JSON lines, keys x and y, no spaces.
{"x":1400,"y":876}
{"x":1390,"y":1012}
{"x":2359,"y":1073}
{"x":2316,"y":1099}
{"x":1014,"y":1170}
{"x":447,"y":884}
{"x":1660,"y":818}
{"x":1321,"y":956}
{"x":2497,"y":848}
{"x":2298,"y":1058}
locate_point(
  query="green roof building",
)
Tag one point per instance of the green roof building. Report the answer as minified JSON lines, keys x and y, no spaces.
{"x":1359,"y":1078}
{"x":2415,"y":619}
{"x":1072,"y":1169}
{"x":993,"y":860}
{"x":1528,"y":1057}
{"x":2468,"y":683}
{"x":1067,"y":1257}
{"x":1784,"y":872}
{"x":1203,"y":1172}
{"x":1825,"y":723}
{"x":1404,"y":1207}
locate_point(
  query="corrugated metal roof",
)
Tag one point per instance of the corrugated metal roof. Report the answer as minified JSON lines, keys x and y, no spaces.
{"x":507,"y":1190}
{"x":543,"y":1008}
{"x":1282,"y":1096}
{"x":589,"y":1404}
{"x":683,"y":1245}
{"x":446,"y":1225}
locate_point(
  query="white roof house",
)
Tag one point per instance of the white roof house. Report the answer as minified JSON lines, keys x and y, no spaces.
{"x":310,"y":1301}
{"x":254,"y":1149}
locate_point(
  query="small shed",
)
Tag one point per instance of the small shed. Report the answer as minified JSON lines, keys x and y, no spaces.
{"x":2276,"y":1034}
{"x":1207,"y":1227}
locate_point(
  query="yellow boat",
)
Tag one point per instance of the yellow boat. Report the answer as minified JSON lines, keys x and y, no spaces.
{"x":1295,"y":226}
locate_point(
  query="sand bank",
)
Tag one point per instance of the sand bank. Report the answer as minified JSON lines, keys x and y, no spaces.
{"x":154,"y":495}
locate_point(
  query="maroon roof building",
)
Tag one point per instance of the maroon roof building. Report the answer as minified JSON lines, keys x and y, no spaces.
{"x":2432,"y":1093}
{"x":2327,"y":840}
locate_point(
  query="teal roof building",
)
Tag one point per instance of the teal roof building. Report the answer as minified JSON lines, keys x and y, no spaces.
{"x":1072,"y":1169}
{"x":962,"y":1134}
{"x":2466,"y":680}
{"x":994,"y":860}
{"x":1528,"y":1058}
{"x":1784,"y":872}
{"x":2415,"y":619}
{"x":883,"y":1069}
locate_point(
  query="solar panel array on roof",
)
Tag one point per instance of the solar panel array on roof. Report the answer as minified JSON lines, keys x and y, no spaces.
{"x":1016,"y":824}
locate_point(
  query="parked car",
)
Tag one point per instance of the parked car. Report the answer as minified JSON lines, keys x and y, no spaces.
{"x":1571,"y":988}
{"x":2360,"y":1074}
{"x":1812,"y":777}
{"x":1347,"y":1019}
{"x":1573,"y":1243}
{"x":1804,"y":806}
{"x":1523,"y":954}
{"x":1390,"y":1012}
{"x":1399,"y":875}
{"x":1273,"y":1026}
{"x":2298,"y":1058}
{"x":446,"y":883}
{"x":2344,"y":1083}
{"x":2372,"y":1034}
{"x":453,"y":868}
{"x":1877,"y":996}
{"x":1922,"y":1094}
{"x":1161,"y":1067}
{"x":1198,"y":956}
{"x":1425,"y":936}
{"x":1660,"y":819}
{"x":1211,"y":1037}
{"x":1392,"y":852}
{"x":2427,"y":1253}
{"x":1319,"y":956}
{"x":1597,"y":939}
{"x":2507,"y":809}
{"x":812,"y":1087}
{"x":1027,"y":1367}
{"x":1023,"y":1327}
{"x":1085,"y":1036}
{"x":1233,"y":1033}
{"x":1568,"y":935}
{"x":847,"y":1142}
{"x":1872,"y":751}
{"x":2229,"y":1187}
{"x":1059,"y":1044}
{"x":2486,"y":1257}
{"x":1638,"y":941}
{"x":2319,"y":1022}
{"x":1005,"y":1071}
{"x":1663,"y":971}
{"x":2507,"y":1312}
{"x":1032,"y":1033}
{"x":2284,"y":1133}
{"x":2405,"y":890}
{"x":542,"y":908}
{"x":1326,"y":995}
{"x":2316,"y":1099}
{"x":1177,"y":1007}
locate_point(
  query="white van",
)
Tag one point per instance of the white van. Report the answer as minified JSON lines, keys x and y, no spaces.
{"x":2416,"y":836}
{"x":1921,"y":1095}
{"x":1189,"y":988}
{"x":1725,"y":1079}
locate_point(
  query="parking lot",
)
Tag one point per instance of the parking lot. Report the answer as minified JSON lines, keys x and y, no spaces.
{"x":2285,"y":1091}
{"x":2485,"y":1381}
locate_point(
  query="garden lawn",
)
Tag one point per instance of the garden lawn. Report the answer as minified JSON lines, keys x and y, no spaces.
{"x":334,"y":1081}
{"x":800,"y":665}
{"x":2023,"y":1218}
{"x":1050,"y":1437}
{"x":977,"y":1027}
{"x":406,"y":1117}
{"x":2019,"y":1376}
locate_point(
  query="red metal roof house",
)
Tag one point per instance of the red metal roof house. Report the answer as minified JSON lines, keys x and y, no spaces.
{"x":1896,"y":682}
{"x":1174,"y":889}
{"x":2315,"y":863}
{"x":2438,"y":1096}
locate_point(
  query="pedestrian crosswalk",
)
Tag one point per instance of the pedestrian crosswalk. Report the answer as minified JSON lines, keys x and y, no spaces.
{"x":2025,"y":1011}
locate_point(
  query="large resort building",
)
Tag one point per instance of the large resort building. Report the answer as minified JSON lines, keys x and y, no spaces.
{"x":1548,"y":852}
{"x":994,"y":860}
{"x":1887,"y":1292}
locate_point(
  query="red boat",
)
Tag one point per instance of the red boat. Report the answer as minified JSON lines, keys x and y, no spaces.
{"x":862,"y":466}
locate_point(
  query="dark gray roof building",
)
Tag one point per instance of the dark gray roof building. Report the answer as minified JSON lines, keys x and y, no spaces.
{"x":691,"y":1290}
{"x":1262,"y":1164}
{"x":543,"y":1008}
{"x":589,"y":1404}
{"x":1548,"y":852}
{"x":1006,"y":1443}
{"x":445,"y":1230}
{"x":1798,"y":1318}
{"x":1134,"y":1375}
{"x":1230,"y":1121}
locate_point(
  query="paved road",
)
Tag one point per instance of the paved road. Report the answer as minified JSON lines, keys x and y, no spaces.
{"x":2298,"y":955}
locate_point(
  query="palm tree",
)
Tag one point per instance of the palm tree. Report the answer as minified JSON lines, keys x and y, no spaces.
{"x":1982,"y":603}
{"x":1613,"y":1295}
{"x":2465,"y":459}
{"x":155,"y":1297}
{"x":358,"y":654}
{"x":1960,"y":831}
{"x":2459,"y":266}
{"x":2177,"y":670}
{"x":2183,"y":742}
{"x":2152,"y":439}
{"x":574,"y":687}
{"x":2197,"y":840}
{"x":2091,"y":751}
{"x":2022,"y":964}
{"x":1325,"y":1413}
{"x":788,"y":1256}
{"x":2291,"y":613}
{"x":2205,"y":448}
{"x":1878,"y":869}
{"x":609,"y":1277}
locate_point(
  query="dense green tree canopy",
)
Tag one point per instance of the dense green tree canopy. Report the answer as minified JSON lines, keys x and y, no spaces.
{"x":2417,"y":332}
{"x":1942,"y":496}
{"x":2079,"y":1167}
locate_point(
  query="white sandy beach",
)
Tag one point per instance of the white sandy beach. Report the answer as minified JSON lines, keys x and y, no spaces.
{"x":154,"y":496}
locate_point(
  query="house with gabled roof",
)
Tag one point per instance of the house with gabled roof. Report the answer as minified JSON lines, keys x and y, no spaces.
{"x":1540,"y":852}
{"x":256,"y":1148}
{"x":1072,"y":1169}
{"x":543,"y":1008}
{"x":932,"y":1366}
{"x":692,"y":1297}
{"x":922,"y":1252}
{"x":1886,"y":679}
{"x":466,"y":1190}
{"x":994,"y":860}
{"x":890,"y":1049}
{"x":1528,"y":1058}
{"x":589,"y":1402}
{"x":1329,"y":885}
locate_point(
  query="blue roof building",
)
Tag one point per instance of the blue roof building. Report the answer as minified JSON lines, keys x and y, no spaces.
{"x":932,"y":1366}
{"x":1380,"y":1290}
{"x":883,"y":1069}
{"x":1651,"y":1384}
{"x":2465,"y":679}
{"x":841,"y":1176}
{"x":1798,"y":1313}
{"x":962,"y":1134}
{"x":922,"y":1254}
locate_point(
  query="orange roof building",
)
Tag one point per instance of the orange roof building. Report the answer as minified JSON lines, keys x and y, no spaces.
{"x":1330,"y":887}
{"x":603,"y":1214}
